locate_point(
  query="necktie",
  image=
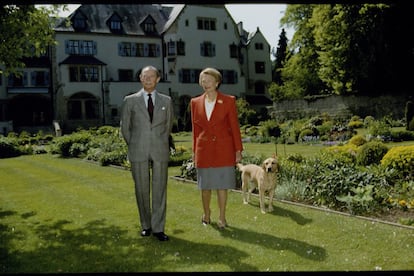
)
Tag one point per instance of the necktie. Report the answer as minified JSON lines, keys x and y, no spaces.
{"x":150,"y":106}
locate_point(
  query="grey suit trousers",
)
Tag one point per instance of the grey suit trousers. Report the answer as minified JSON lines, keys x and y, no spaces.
{"x":151,"y":182}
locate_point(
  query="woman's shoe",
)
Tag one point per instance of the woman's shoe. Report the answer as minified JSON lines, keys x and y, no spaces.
{"x":221,"y":225}
{"x":204,"y":221}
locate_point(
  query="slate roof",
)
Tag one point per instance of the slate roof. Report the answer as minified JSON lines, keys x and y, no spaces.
{"x":131,"y":15}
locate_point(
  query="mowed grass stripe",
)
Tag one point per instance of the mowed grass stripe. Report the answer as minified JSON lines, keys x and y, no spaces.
{"x":97,"y":191}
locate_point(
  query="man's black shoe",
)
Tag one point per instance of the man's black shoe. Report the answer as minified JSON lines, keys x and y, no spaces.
{"x":146,"y":232}
{"x":161,"y":236}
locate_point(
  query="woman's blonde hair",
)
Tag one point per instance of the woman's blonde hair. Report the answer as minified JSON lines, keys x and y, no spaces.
{"x":212,"y":72}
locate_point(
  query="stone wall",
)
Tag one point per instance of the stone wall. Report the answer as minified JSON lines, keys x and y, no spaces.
{"x":341,"y":107}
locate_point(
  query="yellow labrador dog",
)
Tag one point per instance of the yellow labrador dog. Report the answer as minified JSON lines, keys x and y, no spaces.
{"x":264,"y":177}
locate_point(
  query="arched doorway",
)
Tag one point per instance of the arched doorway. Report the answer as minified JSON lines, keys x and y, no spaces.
{"x":83,"y":111}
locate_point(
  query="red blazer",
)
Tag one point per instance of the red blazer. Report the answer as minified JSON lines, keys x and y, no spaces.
{"x":215,"y":142}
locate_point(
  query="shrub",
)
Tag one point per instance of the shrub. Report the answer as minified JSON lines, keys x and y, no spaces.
{"x":343,"y":154}
{"x":355,"y":124}
{"x":400,"y":158}
{"x":357,"y":140}
{"x":380,"y":129}
{"x":9,"y":147}
{"x":402,"y":135}
{"x":64,"y":143}
{"x":371,"y":153}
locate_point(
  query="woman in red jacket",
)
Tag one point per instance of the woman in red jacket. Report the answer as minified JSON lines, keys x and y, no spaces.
{"x":217,"y":144}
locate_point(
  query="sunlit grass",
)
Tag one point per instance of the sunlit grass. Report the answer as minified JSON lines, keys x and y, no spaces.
{"x":67,"y":215}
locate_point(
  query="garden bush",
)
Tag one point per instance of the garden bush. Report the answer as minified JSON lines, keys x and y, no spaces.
{"x":402,"y":135}
{"x":371,"y":153}
{"x":63,"y":144}
{"x":357,"y":140}
{"x":9,"y":147}
{"x":400,"y":158}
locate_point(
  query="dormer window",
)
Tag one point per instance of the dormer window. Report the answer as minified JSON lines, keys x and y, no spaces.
{"x":114,"y":23}
{"x":148,"y":25}
{"x":79,"y":21}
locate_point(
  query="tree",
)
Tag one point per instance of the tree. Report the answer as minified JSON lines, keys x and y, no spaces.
{"x":347,"y":49}
{"x":245,"y":113}
{"x":280,"y":56}
{"x":26,"y":31}
{"x":299,"y":74}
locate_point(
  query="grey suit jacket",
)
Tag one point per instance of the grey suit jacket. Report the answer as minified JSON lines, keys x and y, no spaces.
{"x":147,"y":140}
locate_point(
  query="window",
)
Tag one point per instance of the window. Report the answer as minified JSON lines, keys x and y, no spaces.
{"x":258,"y":46}
{"x":207,"y":49}
{"x":234,"y":50}
{"x":152,"y":50}
{"x":128,"y":49}
{"x":83,"y":73}
{"x":189,"y":75}
{"x":18,"y":80}
{"x":125,"y":75}
{"x":80,"y":47}
{"x":39,"y":78}
{"x":206,"y":24}
{"x":259,"y":88}
{"x":171,"y":48}
{"x":259,"y":67}
{"x":87,"y":47}
{"x":176,"y":48}
{"x":115,"y":25}
{"x":181,"y":48}
{"x":149,"y":28}
{"x":74,"y":47}
{"x":225,"y":25}
{"x":229,"y":76}
{"x":125,"y":49}
{"x":148,"y":25}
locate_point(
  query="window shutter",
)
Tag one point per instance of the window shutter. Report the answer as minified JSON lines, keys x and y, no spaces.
{"x":213,"y":51}
{"x":33,"y":78}
{"x":134,"y":49}
{"x":180,"y":76}
{"x":10,"y":80}
{"x":47,"y":78}
{"x":67,"y":47}
{"x":192,"y":76}
{"x":120,"y":49}
{"x":25,"y":79}
{"x":158,"y":50}
{"x":95,"y":48}
{"x":81,"y":47}
{"x":202,"y":49}
{"x":146,"y":49}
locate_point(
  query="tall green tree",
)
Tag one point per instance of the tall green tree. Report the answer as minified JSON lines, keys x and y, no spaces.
{"x":349,"y":42}
{"x":299,"y":74}
{"x":348,"y":49}
{"x":26,"y":31}
{"x":280,"y":57}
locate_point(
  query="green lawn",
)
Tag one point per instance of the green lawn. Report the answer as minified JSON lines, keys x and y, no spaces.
{"x":69,"y":216}
{"x":267,"y":149}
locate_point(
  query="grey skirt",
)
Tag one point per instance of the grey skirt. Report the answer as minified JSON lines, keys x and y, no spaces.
{"x":216,"y":178}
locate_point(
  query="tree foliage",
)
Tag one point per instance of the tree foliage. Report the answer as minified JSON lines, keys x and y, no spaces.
{"x":345,"y":49}
{"x":26,"y":31}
